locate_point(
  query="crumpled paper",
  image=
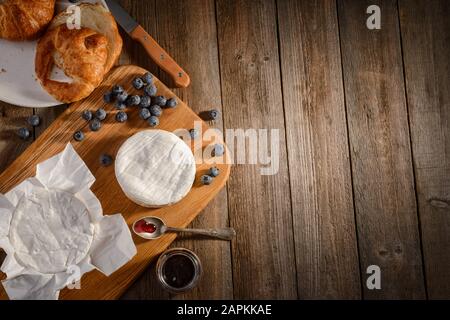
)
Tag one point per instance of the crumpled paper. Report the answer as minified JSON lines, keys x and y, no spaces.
{"x":104,"y":243}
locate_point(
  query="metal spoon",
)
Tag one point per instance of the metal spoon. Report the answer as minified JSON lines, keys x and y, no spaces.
{"x":157,"y":227}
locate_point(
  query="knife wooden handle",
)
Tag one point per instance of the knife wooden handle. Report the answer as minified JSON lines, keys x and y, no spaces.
{"x":161,"y":58}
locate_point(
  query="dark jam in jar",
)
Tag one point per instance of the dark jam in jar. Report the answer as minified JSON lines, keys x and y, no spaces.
{"x":178,"y":271}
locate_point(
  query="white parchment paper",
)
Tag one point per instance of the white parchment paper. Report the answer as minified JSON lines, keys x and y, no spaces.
{"x":106,"y":241}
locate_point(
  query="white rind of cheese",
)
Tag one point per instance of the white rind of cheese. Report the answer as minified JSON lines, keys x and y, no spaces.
{"x":57,"y":235}
{"x":155,"y":168}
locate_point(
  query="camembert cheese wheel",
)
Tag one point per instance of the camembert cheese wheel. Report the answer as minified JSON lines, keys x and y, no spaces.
{"x":155,"y":168}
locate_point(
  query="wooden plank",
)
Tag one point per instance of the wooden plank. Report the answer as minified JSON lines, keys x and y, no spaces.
{"x":324,"y":221}
{"x":383,"y":181}
{"x":425,"y":27}
{"x":146,"y":287}
{"x":260,"y":206}
{"x":94,"y":285}
{"x":47,"y":116}
{"x":187,"y":29}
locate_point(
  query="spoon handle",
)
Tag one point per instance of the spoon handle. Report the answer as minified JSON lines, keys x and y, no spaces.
{"x":221,"y":233}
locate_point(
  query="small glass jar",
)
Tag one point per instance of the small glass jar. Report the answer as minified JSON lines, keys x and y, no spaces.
{"x":178,"y":270}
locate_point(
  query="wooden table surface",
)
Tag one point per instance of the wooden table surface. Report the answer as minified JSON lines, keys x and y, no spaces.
{"x":364,"y":120}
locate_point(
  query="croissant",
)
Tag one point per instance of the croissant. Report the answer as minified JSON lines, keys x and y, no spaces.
{"x":24,"y":19}
{"x":85,"y":54}
{"x":81,"y":53}
{"x":96,"y":17}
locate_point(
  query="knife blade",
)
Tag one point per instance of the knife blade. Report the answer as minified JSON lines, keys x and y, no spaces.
{"x":153,"y":49}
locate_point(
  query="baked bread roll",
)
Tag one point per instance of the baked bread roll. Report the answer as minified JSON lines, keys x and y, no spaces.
{"x":82,"y":54}
{"x":85,"y":54}
{"x":24,"y":19}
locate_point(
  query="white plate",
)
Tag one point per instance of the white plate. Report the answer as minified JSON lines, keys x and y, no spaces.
{"x":18,"y":82}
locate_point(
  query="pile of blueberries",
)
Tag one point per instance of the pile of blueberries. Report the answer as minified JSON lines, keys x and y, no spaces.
{"x":207,"y":179}
{"x":34,"y":121}
{"x":150,"y":105}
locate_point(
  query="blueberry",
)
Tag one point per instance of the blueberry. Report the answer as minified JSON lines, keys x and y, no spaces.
{"x":150,"y":90}
{"x":148,"y":78}
{"x":160,"y":101}
{"x":100,"y":114}
{"x":87,"y":115}
{"x":145,"y":102}
{"x":214,"y":172}
{"x":133,"y":101}
{"x":24,"y":133}
{"x":138,"y":83}
{"x":194,"y":133}
{"x":95,"y":125}
{"x":122,"y":97}
{"x":106,"y":160}
{"x":120,"y":105}
{"x":34,"y":120}
{"x":213,"y":114}
{"x":78,"y":136}
{"x":121,"y":116}
{"x":144,"y":113}
{"x":108,"y":97}
{"x":218,"y":150}
{"x":153,"y":121}
{"x":206,"y":180}
{"x":155,"y":110}
{"x":117,"y":89}
{"x":171,"y":103}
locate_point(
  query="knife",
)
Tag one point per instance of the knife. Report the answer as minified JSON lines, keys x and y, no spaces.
{"x":154,"y":50}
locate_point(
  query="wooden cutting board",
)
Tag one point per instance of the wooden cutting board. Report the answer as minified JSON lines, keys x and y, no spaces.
{"x":95,"y":285}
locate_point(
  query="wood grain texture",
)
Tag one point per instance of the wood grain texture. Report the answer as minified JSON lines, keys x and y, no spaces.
{"x":11,"y":146}
{"x":319,"y":164}
{"x":188,"y":32}
{"x":260,"y":206}
{"x":425,"y":27}
{"x":11,"y":119}
{"x":383,"y":179}
{"x":146,"y":286}
{"x":161,"y":57}
{"x":108,"y":140}
{"x":187,"y":29}
{"x":144,"y":11}
{"x":47,"y":116}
